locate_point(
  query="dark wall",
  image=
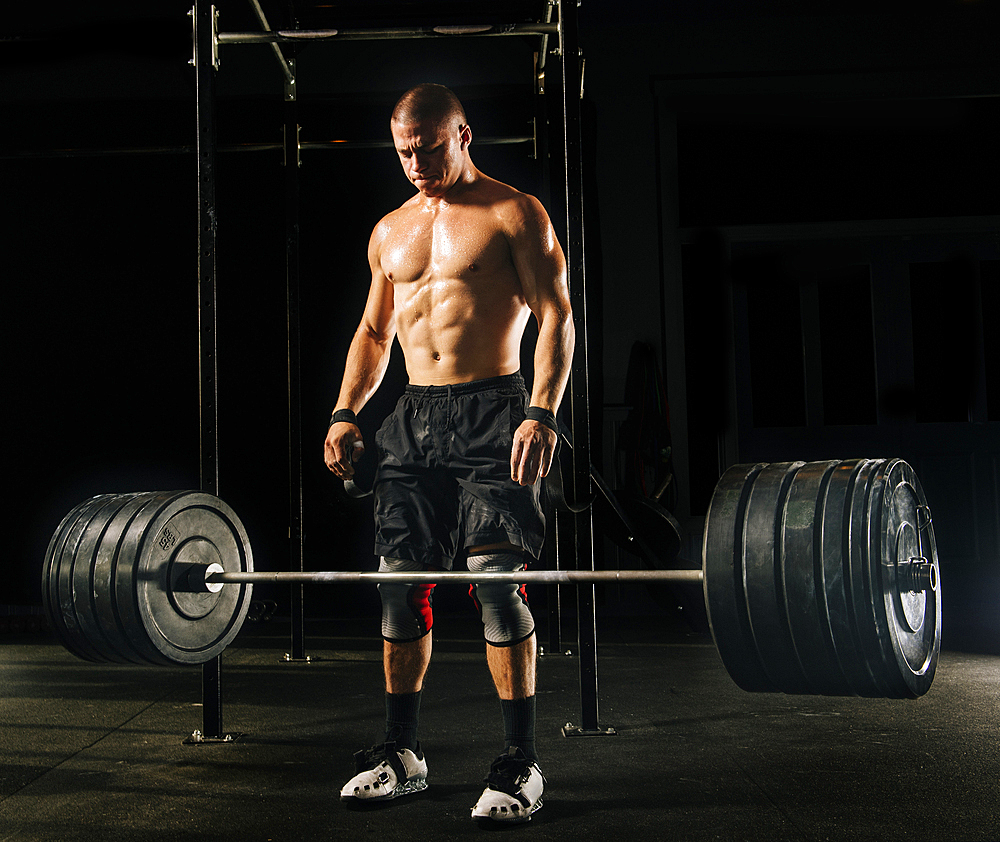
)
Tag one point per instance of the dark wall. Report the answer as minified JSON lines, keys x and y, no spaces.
{"x":829,"y":217}
{"x":99,"y":269}
{"x":101,"y":266}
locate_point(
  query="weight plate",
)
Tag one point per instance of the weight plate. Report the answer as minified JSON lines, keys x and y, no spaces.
{"x":57,"y":585}
{"x":911,"y":620}
{"x":762,"y":540}
{"x":863,"y":592}
{"x":192,"y":527}
{"x":50,"y":575}
{"x":106,"y":560}
{"x":867,"y":563}
{"x":802,"y":580}
{"x":91,"y":598}
{"x":114,"y":573}
{"x":836,"y":575}
{"x":725,"y":602}
{"x":125,"y":581}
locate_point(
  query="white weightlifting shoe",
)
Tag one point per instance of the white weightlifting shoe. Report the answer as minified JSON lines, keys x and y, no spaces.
{"x":513,"y":789}
{"x":385,"y":773}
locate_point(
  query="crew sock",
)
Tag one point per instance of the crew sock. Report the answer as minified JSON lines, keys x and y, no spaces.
{"x":402,"y":712}
{"x":519,"y":725}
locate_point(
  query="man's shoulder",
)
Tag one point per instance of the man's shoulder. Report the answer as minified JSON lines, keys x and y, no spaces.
{"x":516,"y":210}
{"x":403,"y":210}
{"x":509,"y":202}
{"x":498,"y":191}
{"x":392,"y":219}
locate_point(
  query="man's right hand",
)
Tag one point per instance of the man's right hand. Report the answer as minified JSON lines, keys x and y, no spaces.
{"x":343,"y":446}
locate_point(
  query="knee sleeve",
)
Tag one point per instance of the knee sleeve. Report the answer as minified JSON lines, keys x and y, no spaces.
{"x":503,"y":607}
{"x":407,"y":613}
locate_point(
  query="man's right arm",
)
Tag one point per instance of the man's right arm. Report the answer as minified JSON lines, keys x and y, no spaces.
{"x":367,"y":359}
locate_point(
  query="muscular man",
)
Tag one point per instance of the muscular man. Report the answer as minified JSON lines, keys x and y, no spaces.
{"x":456,"y":272}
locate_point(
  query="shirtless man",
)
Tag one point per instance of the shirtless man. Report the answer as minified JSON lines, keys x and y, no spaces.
{"x":456,"y":272}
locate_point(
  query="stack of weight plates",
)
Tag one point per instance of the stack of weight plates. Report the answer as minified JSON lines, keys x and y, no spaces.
{"x":822,"y":578}
{"x":115,"y":582}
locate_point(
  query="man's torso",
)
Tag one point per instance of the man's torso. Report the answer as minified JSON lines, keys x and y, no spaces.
{"x":459,"y":306}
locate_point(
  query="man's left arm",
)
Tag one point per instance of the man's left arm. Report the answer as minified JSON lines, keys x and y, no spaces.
{"x":541,"y":267}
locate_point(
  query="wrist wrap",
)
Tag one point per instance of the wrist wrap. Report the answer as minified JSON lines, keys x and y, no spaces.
{"x":345,"y":415}
{"x":543,"y":416}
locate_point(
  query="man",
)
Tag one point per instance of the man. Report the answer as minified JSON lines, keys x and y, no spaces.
{"x":456,"y":272}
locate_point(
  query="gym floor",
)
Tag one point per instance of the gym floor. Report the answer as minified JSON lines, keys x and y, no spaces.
{"x":96,"y":753}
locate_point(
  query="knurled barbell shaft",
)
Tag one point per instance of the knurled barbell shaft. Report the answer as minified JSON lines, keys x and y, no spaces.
{"x":546,"y":577}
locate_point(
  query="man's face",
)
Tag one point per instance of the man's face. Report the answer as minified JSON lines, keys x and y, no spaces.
{"x":432,"y":154}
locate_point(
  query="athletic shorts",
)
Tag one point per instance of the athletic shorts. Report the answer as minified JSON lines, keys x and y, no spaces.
{"x":443,"y":481}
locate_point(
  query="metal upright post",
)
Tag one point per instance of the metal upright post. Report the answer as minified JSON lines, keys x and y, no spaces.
{"x":570,"y":60}
{"x":543,"y":139}
{"x":206,"y":63}
{"x":295,"y":494}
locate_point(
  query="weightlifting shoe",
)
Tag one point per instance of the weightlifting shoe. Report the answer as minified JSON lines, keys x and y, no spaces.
{"x":383,"y":773}
{"x":513,"y":789}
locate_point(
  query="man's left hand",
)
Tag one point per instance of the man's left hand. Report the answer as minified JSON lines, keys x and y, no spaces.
{"x":532,"y":452}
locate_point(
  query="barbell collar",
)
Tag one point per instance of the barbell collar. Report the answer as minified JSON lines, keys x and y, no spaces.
{"x":917,"y":575}
{"x":546,"y":577}
{"x":194,"y":578}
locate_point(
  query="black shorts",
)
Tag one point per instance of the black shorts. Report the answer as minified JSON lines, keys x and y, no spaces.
{"x":443,"y":482}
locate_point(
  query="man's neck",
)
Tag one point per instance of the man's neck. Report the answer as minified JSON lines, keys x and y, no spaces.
{"x":468,"y":180}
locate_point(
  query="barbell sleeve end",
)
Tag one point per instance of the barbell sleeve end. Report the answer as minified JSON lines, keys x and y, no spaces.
{"x":917,"y":575}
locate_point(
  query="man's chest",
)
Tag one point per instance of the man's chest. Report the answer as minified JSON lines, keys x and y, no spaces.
{"x":423,"y":246}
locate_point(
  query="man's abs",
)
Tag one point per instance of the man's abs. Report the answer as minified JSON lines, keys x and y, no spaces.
{"x":451,"y":334}
{"x":459,"y":307}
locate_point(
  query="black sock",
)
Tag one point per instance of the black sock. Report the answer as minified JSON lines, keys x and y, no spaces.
{"x":519,"y":725}
{"x":402,"y":712}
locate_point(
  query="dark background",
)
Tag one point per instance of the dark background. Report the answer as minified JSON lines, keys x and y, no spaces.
{"x":793,"y":204}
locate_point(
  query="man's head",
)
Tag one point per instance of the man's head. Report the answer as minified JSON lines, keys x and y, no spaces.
{"x":432,"y":138}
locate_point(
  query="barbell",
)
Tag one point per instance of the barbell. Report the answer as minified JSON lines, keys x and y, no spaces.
{"x":818,"y":578}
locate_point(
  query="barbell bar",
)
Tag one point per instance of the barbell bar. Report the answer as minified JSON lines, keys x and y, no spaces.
{"x":818,"y":578}
{"x":529,"y":577}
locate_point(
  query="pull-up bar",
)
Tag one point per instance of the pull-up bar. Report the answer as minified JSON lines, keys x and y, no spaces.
{"x":275,"y":38}
{"x":298,"y":35}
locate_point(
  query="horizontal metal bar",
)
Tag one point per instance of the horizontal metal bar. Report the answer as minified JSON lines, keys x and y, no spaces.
{"x":387,"y":144}
{"x":545,"y":577}
{"x":271,"y":37}
{"x":471,"y":30}
{"x":24,"y":154}
{"x":18,"y":154}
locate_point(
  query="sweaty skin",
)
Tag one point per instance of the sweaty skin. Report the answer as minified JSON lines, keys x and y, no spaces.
{"x":456,"y":272}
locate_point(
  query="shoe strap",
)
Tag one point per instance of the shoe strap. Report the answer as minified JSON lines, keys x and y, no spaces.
{"x":370,"y":758}
{"x":508,"y":772}
{"x":395,"y":761}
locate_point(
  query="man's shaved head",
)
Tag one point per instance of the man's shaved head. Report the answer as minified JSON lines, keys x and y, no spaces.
{"x":429,"y":103}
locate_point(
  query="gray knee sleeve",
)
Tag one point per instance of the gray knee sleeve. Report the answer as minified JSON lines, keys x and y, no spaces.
{"x":406,"y":609}
{"x":503,"y":607}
